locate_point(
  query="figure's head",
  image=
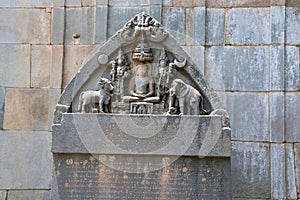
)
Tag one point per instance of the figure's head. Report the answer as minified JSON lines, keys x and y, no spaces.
{"x":141,"y":70}
{"x":106,"y":85}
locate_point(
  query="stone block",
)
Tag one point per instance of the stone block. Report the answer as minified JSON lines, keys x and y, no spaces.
{"x":2,"y":103}
{"x":247,"y":26}
{"x":249,"y":116}
{"x":101,"y":24}
{"x":54,"y":95}
{"x":29,"y":194}
{"x":167,"y":2}
{"x":278,"y":2}
{"x":173,"y":19}
{"x":183,"y":3}
{"x":292,"y":70}
{"x":118,"y":16}
{"x":277,"y":68}
{"x":277,"y":24}
{"x":15,"y":65}
{"x":57,"y":66}
{"x":102,"y":2}
{"x":128,"y":3}
{"x":58,"y":26}
{"x":189,"y":21}
{"x":292,"y":117}
{"x":26,"y":109}
{"x":277,"y":106}
{"x":88,"y":2}
{"x":199,"y":3}
{"x":237,"y":3}
{"x":156,"y":12}
{"x":26,"y":160}
{"x":74,"y":57}
{"x":292,"y":23}
{"x":291,"y":192}
{"x":278,"y":175}
{"x":25,"y":26}
{"x":297,"y":164}
{"x":292,"y":3}
{"x":25,"y":3}
{"x":73,"y":2}
{"x":58,"y":3}
{"x":3,"y":195}
{"x":199,"y":25}
{"x":155,"y":2}
{"x":215,"y":20}
{"x":198,"y":57}
{"x":250,"y":169}
{"x":238,"y":68}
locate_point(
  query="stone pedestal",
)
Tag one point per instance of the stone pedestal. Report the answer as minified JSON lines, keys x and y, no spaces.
{"x":105,"y":156}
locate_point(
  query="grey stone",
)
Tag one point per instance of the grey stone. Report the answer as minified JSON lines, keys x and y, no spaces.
{"x":28,"y":162}
{"x":278,"y":2}
{"x":292,"y":71}
{"x":25,"y":3}
{"x":189,"y":21}
{"x":291,"y":191}
{"x":292,"y":117}
{"x":247,"y":26}
{"x":237,"y":3}
{"x":277,"y":24}
{"x":25,"y":26}
{"x":56,"y":69}
{"x":234,"y":68}
{"x":167,"y":2}
{"x":249,"y":116}
{"x":250,"y":169}
{"x":128,"y":2}
{"x":73,"y":2}
{"x":292,"y":3}
{"x":200,"y":3}
{"x":277,"y":109}
{"x":29,"y":195}
{"x":118,"y":16}
{"x":215,"y":24}
{"x":88,"y":2}
{"x":3,"y":195}
{"x":173,"y":20}
{"x":156,"y":2}
{"x":297,"y":164}
{"x":53,"y":97}
{"x":58,"y":25}
{"x":102,"y":2}
{"x":277,"y":68}
{"x":198,"y":57}
{"x":292,"y":22}
{"x":101,"y":24}
{"x":199,"y":25}
{"x":2,"y":103}
{"x":156,"y":12}
{"x":15,"y":65}
{"x":278,"y":175}
{"x":183,"y":3}
{"x":58,"y":3}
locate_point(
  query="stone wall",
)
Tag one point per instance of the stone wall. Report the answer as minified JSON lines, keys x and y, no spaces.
{"x":247,"y":49}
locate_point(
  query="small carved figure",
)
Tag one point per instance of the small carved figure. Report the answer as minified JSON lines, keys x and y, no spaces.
{"x":190,"y":100}
{"x":88,"y":99}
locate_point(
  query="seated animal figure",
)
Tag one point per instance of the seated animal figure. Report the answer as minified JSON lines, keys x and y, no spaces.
{"x":190,"y":100}
{"x":88,"y":99}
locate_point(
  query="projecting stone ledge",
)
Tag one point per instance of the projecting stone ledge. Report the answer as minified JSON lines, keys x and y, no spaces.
{"x":142,"y":135}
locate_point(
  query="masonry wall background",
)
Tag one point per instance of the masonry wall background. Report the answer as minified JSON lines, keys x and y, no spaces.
{"x":247,"y":49}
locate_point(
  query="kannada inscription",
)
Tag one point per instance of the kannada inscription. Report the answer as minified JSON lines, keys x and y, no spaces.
{"x":83,"y":176}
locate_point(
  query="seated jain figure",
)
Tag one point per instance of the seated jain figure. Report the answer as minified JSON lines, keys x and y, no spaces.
{"x":141,"y":86}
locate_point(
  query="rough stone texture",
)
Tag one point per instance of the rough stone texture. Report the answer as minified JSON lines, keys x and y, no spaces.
{"x":292,"y":117}
{"x":101,"y":24}
{"x":74,"y":57}
{"x":277,"y":24}
{"x":199,"y":26}
{"x":189,"y":27}
{"x":53,"y":97}
{"x":2,"y":103}
{"x":167,"y":2}
{"x":88,"y":2}
{"x":26,"y":109}
{"x":26,"y":160}
{"x":277,"y":68}
{"x":278,"y":175}
{"x":199,"y":3}
{"x":56,"y":69}
{"x":245,"y":109}
{"x":291,"y":192}
{"x":25,"y":26}
{"x":292,"y":3}
{"x":173,"y":19}
{"x":277,"y":109}
{"x":58,"y":25}
{"x":183,"y":3}
{"x":14,"y":65}
{"x":247,"y":26}
{"x":3,"y":194}
{"x":238,"y":68}
{"x":73,"y":2}
{"x":279,"y":2}
{"x":250,"y":168}
{"x":29,"y":195}
{"x":292,"y":21}
{"x":80,"y":21}
{"x":215,"y":24}
{"x":58,"y":3}
{"x":128,"y":2}
{"x":198,"y":57}
{"x":156,"y":11}
{"x":292,"y":71}
{"x":237,"y":3}
{"x":25,"y":3}
{"x":297,"y":164}
{"x":101,"y":2}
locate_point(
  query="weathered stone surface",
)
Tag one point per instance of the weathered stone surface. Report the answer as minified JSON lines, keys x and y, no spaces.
{"x":277,"y":106}
{"x":26,"y":160}
{"x":115,"y":22}
{"x":25,"y":26}
{"x":80,"y":21}
{"x":29,"y":194}
{"x":73,"y":2}
{"x":292,"y":21}
{"x":167,"y":2}
{"x":26,"y":3}
{"x":291,"y":192}
{"x":58,"y":26}
{"x":277,"y":68}
{"x":26,"y":109}
{"x":247,"y":26}
{"x":278,"y":2}
{"x":156,"y":12}
{"x":249,"y":117}
{"x":3,"y":194}
{"x":173,"y":19}
{"x":297,"y":164}
{"x":88,"y":2}
{"x":198,"y":57}
{"x":237,"y":3}
{"x":2,"y":103}
{"x":58,"y":3}
{"x":189,"y":27}
{"x":74,"y":57}
{"x":278,"y":175}
{"x":128,"y":2}
{"x":199,"y":26}
{"x":54,"y":95}
{"x":250,"y":168}
{"x":56,"y":69}
{"x":102,"y":2}
{"x":101,"y":24}
{"x":215,"y":23}
{"x":199,"y":3}
{"x":183,"y":3}
{"x":292,"y":3}
{"x":292,"y":117}
{"x":15,"y":65}
{"x":238,"y":68}
{"x":277,"y":24}
{"x":292,"y":70}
